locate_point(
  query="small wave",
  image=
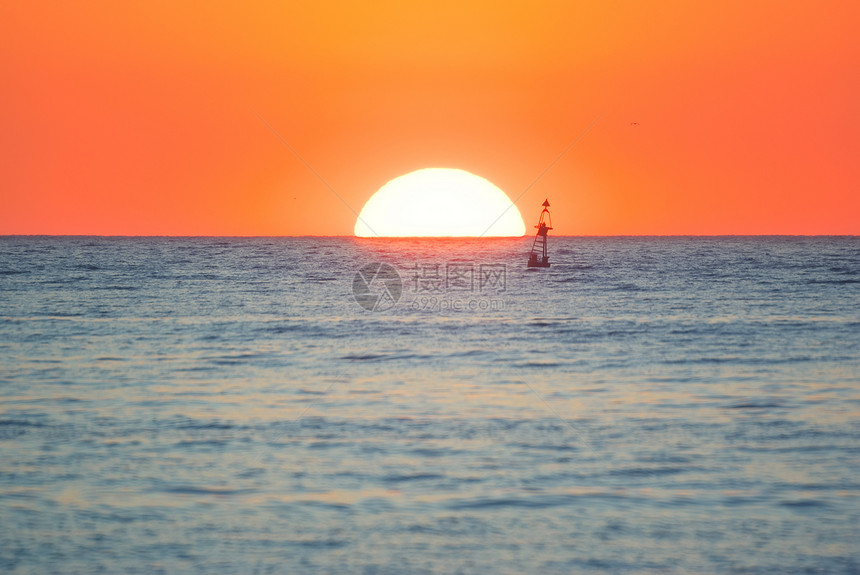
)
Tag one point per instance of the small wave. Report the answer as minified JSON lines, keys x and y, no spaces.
{"x":116,"y":288}
{"x":363,"y":357}
{"x":328,"y":444}
{"x":211,"y":425}
{"x":648,"y":471}
{"x":401,"y":478}
{"x":326,"y":504}
{"x":21,"y":423}
{"x":804,"y":503}
{"x":321,"y":543}
{"x":384,"y":356}
{"x":195,"y":369}
{"x":65,"y":400}
{"x":194,"y":490}
{"x":201,"y":443}
{"x":501,"y":502}
{"x":537,"y":364}
{"x":756,"y":405}
{"x":547,"y":446}
{"x":627,"y":287}
{"x":285,"y":328}
{"x":234,"y":359}
{"x":409,"y":356}
{"x":538,"y":501}
{"x":430,"y":452}
{"x":541,"y":323}
{"x":834,"y":282}
{"x":701,"y":360}
{"x":469,"y":353}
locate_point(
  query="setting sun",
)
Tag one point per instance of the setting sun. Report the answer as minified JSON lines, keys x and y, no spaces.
{"x":439,"y":202}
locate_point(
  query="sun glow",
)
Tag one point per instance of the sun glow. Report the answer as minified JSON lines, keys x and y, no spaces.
{"x":439,"y":202}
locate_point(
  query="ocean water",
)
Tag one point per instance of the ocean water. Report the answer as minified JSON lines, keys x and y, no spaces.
{"x":230,"y":405}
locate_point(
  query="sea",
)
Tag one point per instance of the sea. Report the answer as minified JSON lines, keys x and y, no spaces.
{"x":344,"y":405}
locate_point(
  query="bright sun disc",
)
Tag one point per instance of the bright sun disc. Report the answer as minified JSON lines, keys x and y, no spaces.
{"x":439,"y":202}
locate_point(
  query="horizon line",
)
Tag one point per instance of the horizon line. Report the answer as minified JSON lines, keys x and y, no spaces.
{"x":425,"y":237}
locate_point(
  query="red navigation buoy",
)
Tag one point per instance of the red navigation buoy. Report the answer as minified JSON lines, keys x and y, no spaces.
{"x":538,"y":258}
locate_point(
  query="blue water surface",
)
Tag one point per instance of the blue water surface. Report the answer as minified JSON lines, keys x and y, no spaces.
{"x":228,"y":405}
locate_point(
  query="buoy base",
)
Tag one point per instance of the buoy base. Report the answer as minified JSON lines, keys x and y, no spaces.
{"x":537,"y":262}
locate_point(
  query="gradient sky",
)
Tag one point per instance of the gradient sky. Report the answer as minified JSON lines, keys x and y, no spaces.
{"x":725,"y":117}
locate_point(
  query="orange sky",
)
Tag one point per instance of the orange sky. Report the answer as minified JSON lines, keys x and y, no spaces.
{"x":734,"y":117}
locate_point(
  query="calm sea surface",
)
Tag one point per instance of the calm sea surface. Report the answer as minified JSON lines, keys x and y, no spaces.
{"x":228,"y":405}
